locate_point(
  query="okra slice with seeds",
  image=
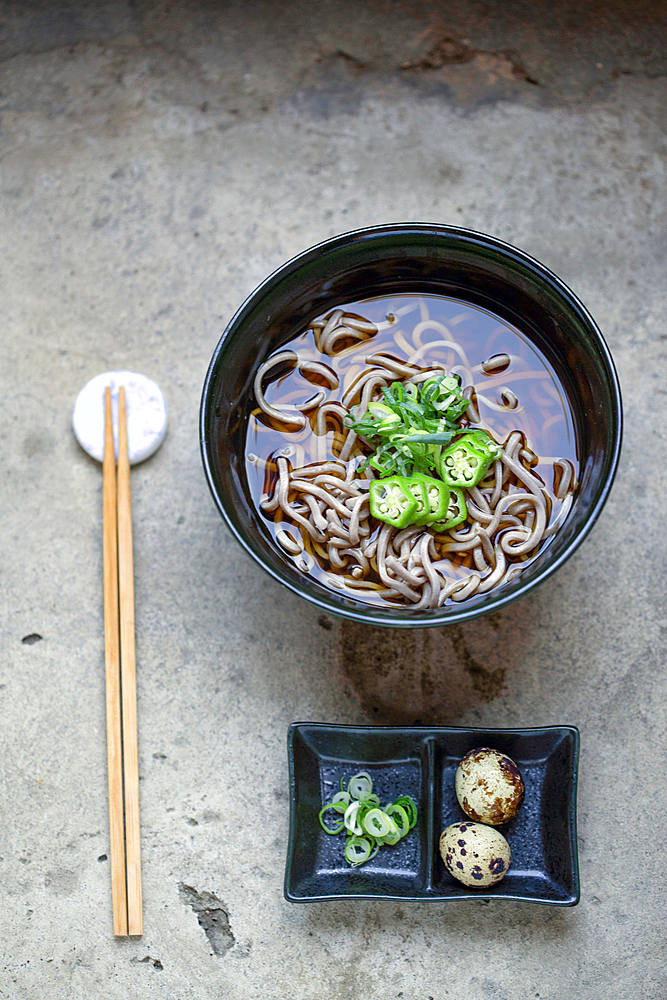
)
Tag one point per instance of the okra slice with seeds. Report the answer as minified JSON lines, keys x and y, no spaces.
{"x":415,"y":486}
{"x":482,"y":441}
{"x":462,"y":464}
{"x":456,"y":511}
{"x":437,"y":496}
{"x":391,"y":503}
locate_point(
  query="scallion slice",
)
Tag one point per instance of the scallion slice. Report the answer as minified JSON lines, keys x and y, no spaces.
{"x":375,"y":823}
{"x":394,"y":834}
{"x":410,"y":807}
{"x":360,"y":785}
{"x":399,"y":817}
{"x":368,"y":827}
{"x":340,"y":801}
{"x":350,"y":819}
{"x":358,"y":850}
{"x":331,"y":830}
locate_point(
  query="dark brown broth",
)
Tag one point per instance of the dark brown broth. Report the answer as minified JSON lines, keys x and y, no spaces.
{"x":542,"y":413}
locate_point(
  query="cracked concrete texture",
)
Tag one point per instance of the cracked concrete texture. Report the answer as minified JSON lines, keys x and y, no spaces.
{"x":156,"y":162}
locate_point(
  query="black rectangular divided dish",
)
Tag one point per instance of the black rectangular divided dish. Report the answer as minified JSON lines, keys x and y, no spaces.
{"x":422,"y":763}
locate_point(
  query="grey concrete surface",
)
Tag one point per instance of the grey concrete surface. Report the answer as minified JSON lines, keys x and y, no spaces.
{"x":156,"y":162}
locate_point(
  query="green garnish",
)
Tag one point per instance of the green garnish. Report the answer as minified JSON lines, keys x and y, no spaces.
{"x":419,"y":500}
{"x":392,"y":501}
{"x":407,"y":803}
{"x":410,"y":426}
{"x":466,"y":462}
{"x":437,"y":497}
{"x":367,"y":826}
{"x":456,"y":511}
{"x":338,"y":823}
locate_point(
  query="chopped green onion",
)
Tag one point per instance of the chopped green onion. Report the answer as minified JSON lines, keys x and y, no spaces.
{"x":360,"y":785}
{"x":332,"y":830}
{"x":340,"y":801}
{"x":368,"y":827}
{"x":409,"y":805}
{"x":358,"y":850}
{"x":350,"y":819}
{"x":394,"y":834}
{"x":375,"y":823}
{"x":410,"y":428}
{"x":400,"y":818}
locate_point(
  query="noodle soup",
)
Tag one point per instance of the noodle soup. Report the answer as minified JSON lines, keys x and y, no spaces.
{"x":309,"y":471}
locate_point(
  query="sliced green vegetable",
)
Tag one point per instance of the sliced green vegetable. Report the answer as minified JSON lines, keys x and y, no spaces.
{"x":437,"y":495}
{"x":409,"y":428}
{"x":394,"y":834}
{"x":375,"y":823}
{"x":350,"y":819}
{"x":358,"y":850}
{"x":462,"y":464}
{"x":456,"y":511}
{"x":392,"y":502}
{"x":360,"y":785}
{"x":340,"y":801}
{"x":417,"y":488}
{"x":400,"y":818}
{"x":483,"y":442}
{"x":446,"y":504}
{"x":368,"y":827}
{"x":466,"y":462}
{"x":384,"y":416}
{"x":332,"y":830}
{"x":410,"y":807}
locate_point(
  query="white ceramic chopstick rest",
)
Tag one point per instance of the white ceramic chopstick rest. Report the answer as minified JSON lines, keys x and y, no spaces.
{"x":146,"y":414}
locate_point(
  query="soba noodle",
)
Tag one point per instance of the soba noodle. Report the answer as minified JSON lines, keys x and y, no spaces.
{"x":308,"y":463}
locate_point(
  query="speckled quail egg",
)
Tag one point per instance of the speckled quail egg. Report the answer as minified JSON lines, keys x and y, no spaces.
{"x":489,"y":786}
{"x":475,"y":854}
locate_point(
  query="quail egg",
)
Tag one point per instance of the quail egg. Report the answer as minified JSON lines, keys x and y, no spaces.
{"x":489,"y":786}
{"x":475,"y":854}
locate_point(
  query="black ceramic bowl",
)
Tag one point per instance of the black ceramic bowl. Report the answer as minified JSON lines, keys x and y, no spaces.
{"x":409,"y":258}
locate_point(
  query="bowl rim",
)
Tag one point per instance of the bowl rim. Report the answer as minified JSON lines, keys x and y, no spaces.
{"x":366,"y":614}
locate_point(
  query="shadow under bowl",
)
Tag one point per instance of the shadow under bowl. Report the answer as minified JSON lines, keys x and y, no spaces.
{"x":411,"y":258}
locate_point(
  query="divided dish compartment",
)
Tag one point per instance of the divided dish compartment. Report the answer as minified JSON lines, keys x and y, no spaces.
{"x":422,"y":762}
{"x":319,"y":756}
{"x":542,"y":835}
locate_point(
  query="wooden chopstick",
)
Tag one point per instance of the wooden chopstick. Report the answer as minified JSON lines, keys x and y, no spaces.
{"x":128,"y":679}
{"x":112,"y":667}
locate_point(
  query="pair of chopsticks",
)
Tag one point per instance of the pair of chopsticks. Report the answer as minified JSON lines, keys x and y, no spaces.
{"x":121,"y":685}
